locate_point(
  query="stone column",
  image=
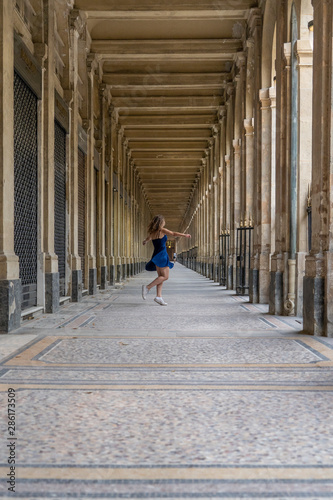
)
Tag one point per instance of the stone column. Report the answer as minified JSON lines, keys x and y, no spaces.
{"x":109,"y":207}
{"x":216,"y":202}
{"x":318,"y":288}
{"x":117,"y":229}
{"x":305,"y":76}
{"x":91,"y":218}
{"x":278,"y":260}
{"x":76,"y":28}
{"x":10,"y":284}
{"x":49,"y":257}
{"x":260,"y":274}
{"x":101,"y":208}
{"x":211,"y":209}
{"x":237,"y":201}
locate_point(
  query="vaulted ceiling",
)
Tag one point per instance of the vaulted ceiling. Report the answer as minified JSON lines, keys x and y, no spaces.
{"x":167,"y":64}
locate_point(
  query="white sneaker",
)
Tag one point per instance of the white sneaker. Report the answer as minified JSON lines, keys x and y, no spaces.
{"x":160,"y":301}
{"x":145,"y":292}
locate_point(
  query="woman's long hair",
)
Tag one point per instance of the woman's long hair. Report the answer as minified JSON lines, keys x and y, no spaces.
{"x":155,"y":224}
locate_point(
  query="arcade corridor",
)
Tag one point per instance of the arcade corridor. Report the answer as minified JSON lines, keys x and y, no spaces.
{"x":217,"y":115}
{"x":209,"y":397}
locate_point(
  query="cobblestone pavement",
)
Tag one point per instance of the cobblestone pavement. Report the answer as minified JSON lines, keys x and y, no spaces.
{"x":209,"y":397}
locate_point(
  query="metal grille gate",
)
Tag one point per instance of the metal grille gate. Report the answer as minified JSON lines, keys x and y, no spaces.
{"x":82,"y":211}
{"x":96,"y":214}
{"x":224,"y":255}
{"x":25,"y":188}
{"x":243,"y":259}
{"x":60,"y":203}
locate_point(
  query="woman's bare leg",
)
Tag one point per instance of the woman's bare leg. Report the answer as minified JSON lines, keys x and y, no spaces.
{"x":163,"y":275}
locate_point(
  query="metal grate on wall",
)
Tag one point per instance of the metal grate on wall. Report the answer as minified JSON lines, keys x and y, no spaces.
{"x":60,"y":203}
{"x":82,"y":211}
{"x":25,"y":188}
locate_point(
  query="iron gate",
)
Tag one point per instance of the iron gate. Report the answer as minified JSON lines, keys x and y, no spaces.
{"x":243,"y":259}
{"x":224,"y":255}
{"x":82,"y":212}
{"x":25,"y":188}
{"x":60,"y":203}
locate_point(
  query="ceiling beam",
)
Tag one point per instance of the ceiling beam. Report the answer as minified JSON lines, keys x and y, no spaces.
{"x":161,"y":5}
{"x":156,"y":80}
{"x":151,"y":134}
{"x":204,"y":120}
{"x":188,"y":47}
{"x":185,"y":102}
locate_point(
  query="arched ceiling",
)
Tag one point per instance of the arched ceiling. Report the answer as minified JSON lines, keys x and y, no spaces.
{"x":167,"y":64}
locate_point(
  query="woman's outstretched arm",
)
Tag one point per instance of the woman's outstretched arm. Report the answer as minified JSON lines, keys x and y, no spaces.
{"x":147,"y":239}
{"x":174,"y":233}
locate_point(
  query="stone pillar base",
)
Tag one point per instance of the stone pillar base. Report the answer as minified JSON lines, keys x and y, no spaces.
{"x":118,"y":273}
{"x":112,"y":270}
{"x":52,"y":294}
{"x":123,"y":271}
{"x":276,"y":293}
{"x":77,"y":286}
{"x":230,"y":277}
{"x":104,"y":277}
{"x":314,"y":305}
{"x":93,"y":281}
{"x":10,"y":305}
{"x":217,"y":273}
{"x":254,"y":286}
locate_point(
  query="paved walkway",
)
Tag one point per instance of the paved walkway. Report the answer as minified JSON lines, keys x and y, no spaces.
{"x":209,"y":397}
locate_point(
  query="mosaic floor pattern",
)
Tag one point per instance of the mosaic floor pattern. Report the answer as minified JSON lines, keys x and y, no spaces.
{"x":140,"y":411}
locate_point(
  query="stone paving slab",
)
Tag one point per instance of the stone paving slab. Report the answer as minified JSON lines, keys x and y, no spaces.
{"x":299,"y":377}
{"x":173,"y":427}
{"x":209,"y":397}
{"x":179,"y":351}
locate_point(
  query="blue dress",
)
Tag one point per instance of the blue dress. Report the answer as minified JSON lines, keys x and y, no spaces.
{"x":160,"y":256}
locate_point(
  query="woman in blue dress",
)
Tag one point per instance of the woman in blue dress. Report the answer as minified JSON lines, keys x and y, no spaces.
{"x":160,"y":260}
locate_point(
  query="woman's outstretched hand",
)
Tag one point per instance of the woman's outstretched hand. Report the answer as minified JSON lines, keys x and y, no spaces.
{"x":187,"y":236}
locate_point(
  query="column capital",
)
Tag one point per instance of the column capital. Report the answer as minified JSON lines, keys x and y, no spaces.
{"x":222,"y":112}
{"x":248,"y":125}
{"x":231,"y":89}
{"x":227,"y":160}
{"x":249,"y":42}
{"x":102,"y":89}
{"x":265,"y":98}
{"x":92,"y":63}
{"x":215,"y":130}
{"x":304,"y":53}
{"x":236,"y":143}
{"x":272,"y":96}
{"x":287,"y":53}
{"x":240,"y":60}
{"x":77,"y":20}
{"x":254,"y":19}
